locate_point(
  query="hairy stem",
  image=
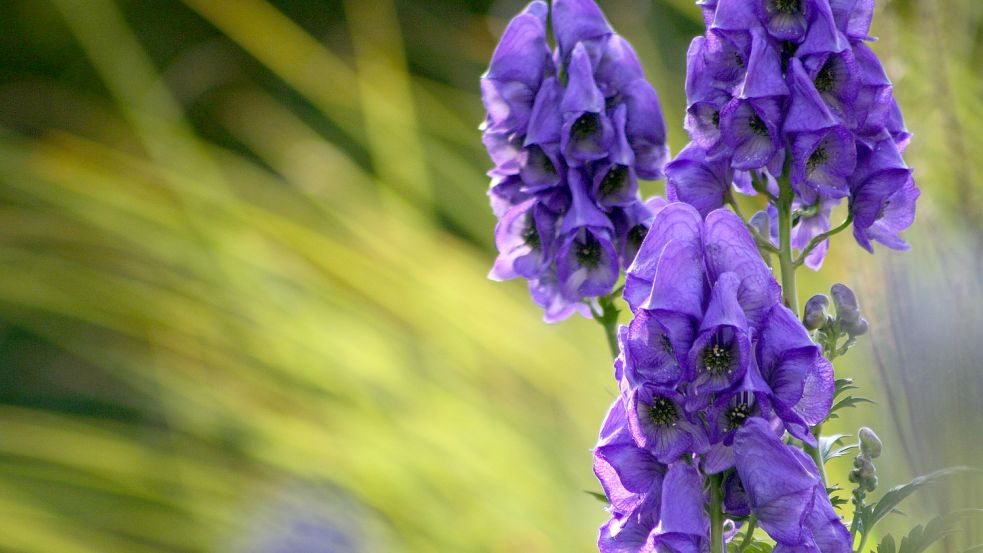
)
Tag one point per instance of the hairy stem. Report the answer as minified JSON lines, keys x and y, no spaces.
{"x":716,"y":514}
{"x":788,"y":267}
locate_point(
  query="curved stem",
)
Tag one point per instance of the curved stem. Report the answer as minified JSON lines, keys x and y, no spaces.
{"x":716,"y":514}
{"x":608,"y":318}
{"x":763,"y":242}
{"x":820,"y":238}
{"x":748,"y":534}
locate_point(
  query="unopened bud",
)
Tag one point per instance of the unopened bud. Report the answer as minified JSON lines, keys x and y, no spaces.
{"x":868,"y":471}
{"x":870,"y":484}
{"x":870,"y":444}
{"x":815,"y":314}
{"x":858,"y":461}
{"x":762,"y":223}
{"x":847,"y":306}
{"x":854,"y":476}
{"x":858,"y":328}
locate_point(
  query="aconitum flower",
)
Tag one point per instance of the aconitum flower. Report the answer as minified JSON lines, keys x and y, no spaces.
{"x":712,"y":370}
{"x":789,"y":89}
{"x":570,"y":133}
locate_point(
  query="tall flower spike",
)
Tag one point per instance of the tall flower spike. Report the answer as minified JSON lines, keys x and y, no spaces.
{"x":793,"y":79}
{"x":570,"y":134}
{"x":712,"y":370}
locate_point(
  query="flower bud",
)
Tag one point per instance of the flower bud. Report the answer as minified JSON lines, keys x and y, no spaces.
{"x":762,"y":223}
{"x":870,"y":444}
{"x":868,"y":471}
{"x":870,"y":484}
{"x":847,"y":306}
{"x":858,"y":328}
{"x":854,"y":476}
{"x":815,"y":312}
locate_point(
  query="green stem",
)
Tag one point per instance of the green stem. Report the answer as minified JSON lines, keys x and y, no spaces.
{"x":786,"y":195}
{"x":763,"y":242}
{"x":820,"y":238}
{"x":788,"y":267}
{"x":863,"y":542}
{"x":748,"y":534}
{"x":608,"y":318}
{"x":716,"y":514}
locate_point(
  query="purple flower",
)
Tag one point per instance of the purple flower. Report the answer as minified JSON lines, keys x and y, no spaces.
{"x":884,"y":195}
{"x":692,"y":179}
{"x":720,"y":353}
{"x":660,"y":424}
{"x":570,"y":134}
{"x":777,"y":80}
{"x":516,"y":70}
{"x":779,"y":488}
{"x":631,"y":476}
{"x":800,"y":379}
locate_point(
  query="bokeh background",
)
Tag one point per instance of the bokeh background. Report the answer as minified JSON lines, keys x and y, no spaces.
{"x":243,"y":305}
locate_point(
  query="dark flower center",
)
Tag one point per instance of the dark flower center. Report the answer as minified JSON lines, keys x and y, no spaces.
{"x":788,"y":6}
{"x":614,"y":181}
{"x":715,"y":119}
{"x":530,"y":236}
{"x":737,"y":414}
{"x":717,"y":359}
{"x":667,"y":345}
{"x":817,"y":158}
{"x":636,"y":235}
{"x":664,"y":412}
{"x":548,"y":165}
{"x":826,"y":77}
{"x":589,"y":253}
{"x":585,"y":125}
{"x":758,"y":126}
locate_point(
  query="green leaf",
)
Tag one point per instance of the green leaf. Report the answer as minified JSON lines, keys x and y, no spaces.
{"x":921,"y":537}
{"x":890,"y":500}
{"x":886,"y":545}
{"x":842,"y":385}
{"x":598,"y":496}
{"x":828,"y":443}
{"x":849,"y":401}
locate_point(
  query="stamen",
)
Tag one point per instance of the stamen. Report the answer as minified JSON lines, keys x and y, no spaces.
{"x":717,"y":360}
{"x":664,"y":412}
{"x":589,"y":253}
{"x":614,"y":181}
{"x":585,"y":125}
{"x":758,"y":126}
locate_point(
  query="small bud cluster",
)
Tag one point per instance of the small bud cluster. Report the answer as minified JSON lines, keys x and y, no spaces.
{"x":848,"y":321}
{"x":864,"y":474}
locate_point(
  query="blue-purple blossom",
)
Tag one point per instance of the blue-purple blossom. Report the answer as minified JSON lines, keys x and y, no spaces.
{"x":791,"y":85}
{"x":712,"y":370}
{"x":570,"y":133}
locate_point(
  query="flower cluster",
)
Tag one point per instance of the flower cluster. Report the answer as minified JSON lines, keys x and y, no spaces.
{"x":789,"y":90}
{"x":713,"y":370}
{"x":570,"y":132}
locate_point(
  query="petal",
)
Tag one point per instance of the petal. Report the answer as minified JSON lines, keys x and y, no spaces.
{"x":675,"y":221}
{"x":730,"y":247}
{"x":575,"y":21}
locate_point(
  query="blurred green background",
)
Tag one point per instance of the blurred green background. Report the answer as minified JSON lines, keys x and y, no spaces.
{"x":243,"y":305}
